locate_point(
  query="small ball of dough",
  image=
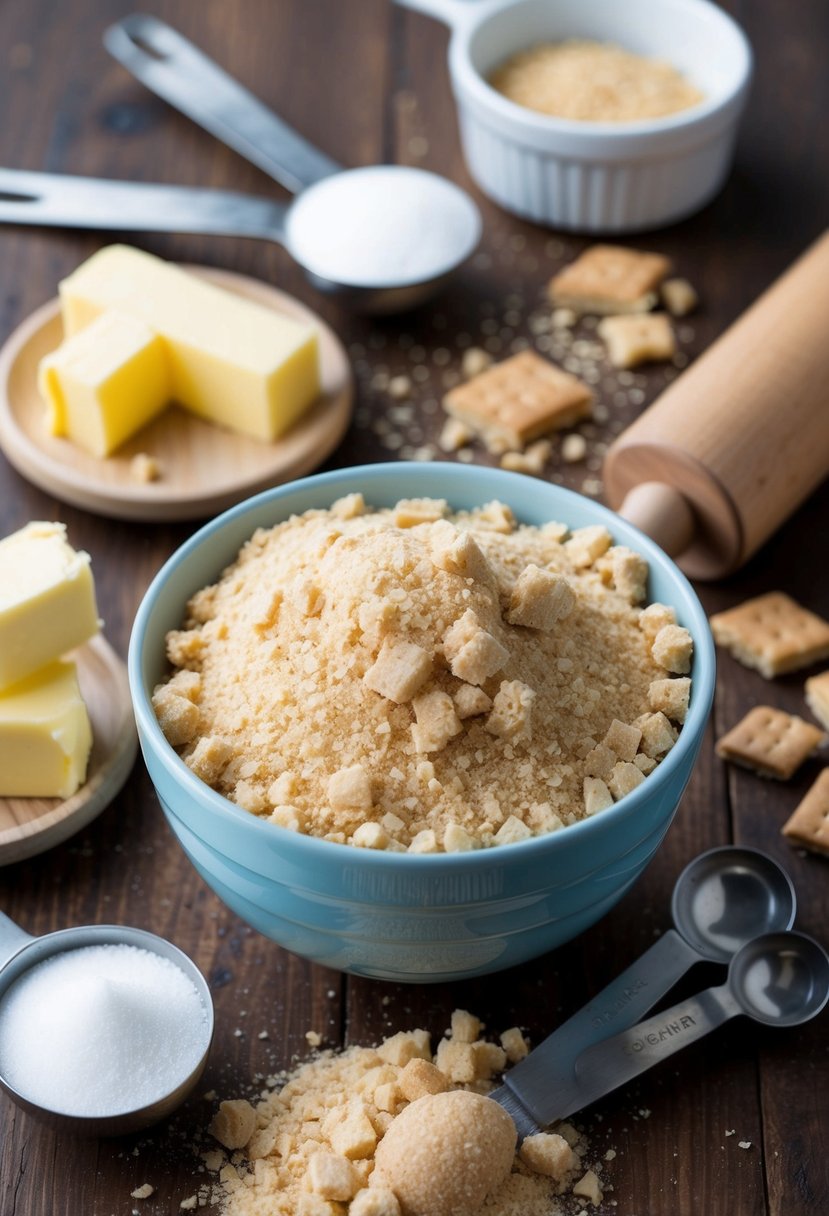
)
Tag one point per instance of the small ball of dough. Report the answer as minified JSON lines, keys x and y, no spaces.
{"x":445,"y":1153}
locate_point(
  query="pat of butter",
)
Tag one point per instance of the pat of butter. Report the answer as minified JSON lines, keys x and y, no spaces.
{"x":233,"y":362}
{"x":106,"y":382}
{"x":45,"y":736}
{"x":47,"y":600}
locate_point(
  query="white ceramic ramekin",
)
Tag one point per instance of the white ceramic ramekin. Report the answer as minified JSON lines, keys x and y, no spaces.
{"x":591,"y":176}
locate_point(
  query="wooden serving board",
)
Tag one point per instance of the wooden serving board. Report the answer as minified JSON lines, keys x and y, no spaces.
{"x":204,"y":468}
{"x":31,"y":825}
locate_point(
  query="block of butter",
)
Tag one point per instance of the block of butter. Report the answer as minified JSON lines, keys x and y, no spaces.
{"x":230,"y":360}
{"x":106,"y":382}
{"x":45,"y":736}
{"x":47,"y":600}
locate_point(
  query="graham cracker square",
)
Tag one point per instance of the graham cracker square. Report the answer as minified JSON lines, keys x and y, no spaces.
{"x":608,"y":279}
{"x":808,"y":825}
{"x":519,"y":399}
{"x":817,"y":697}
{"x":772,"y":633}
{"x":632,"y":339}
{"x":770,"y":742}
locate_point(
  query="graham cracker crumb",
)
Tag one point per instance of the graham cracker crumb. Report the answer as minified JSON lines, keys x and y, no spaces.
{"x":444,"y":663}
{"x":322,"y":1128}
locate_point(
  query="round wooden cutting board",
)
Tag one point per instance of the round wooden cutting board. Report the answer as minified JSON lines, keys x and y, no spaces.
{"x":204,"y":468}
{"x":32,"y":825}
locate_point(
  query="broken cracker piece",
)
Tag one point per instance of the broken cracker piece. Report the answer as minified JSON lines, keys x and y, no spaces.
{"x":632,"y":340}
{"x":671,"y":697}
{"x":808,"y":825}
{"x":772,"y":633}
{"x":770,"y":742}
{"x":520,"y":399}
{"x":817,"y":697}
{"x":679,"y":297}
{"x":589,"y":1187}
{"x":399,"y":671}
{"x":473,"y":654}
{"x":540,"y":599}
{"x":233,"y":1123}
{"x":607,"y":279}
{"x":549,"y":1154}
{"x":437,"y":722}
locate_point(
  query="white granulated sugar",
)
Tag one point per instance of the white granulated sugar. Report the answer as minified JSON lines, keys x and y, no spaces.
{"x":388,"y":224}
{"x":101,"y":1030}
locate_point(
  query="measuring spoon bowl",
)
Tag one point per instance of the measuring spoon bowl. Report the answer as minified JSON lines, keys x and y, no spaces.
{"x":19,"y":952}
{"x":780,"y":979}
{"x":728,"y":896}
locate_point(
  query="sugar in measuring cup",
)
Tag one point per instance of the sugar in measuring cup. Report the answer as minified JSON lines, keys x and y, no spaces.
{"x":104,"y":1029}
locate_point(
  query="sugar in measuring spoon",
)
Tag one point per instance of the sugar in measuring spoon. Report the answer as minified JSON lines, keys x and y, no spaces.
{"x":103,"y":1029}
{"x":380,"y":238}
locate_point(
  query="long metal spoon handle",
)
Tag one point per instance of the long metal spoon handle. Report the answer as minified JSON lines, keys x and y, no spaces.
{"x":621,"y":1004}
{"x":611,"y":1063}
{"x":171,"y":66}
{"x":12,"y":939}
{"x":89,"y":202}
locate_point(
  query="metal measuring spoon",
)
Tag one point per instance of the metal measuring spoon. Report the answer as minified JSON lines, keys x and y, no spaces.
{"x":20,"y":951}
{"x":409,"y":205}
{"x":60,"y":200}
{"x":779,"y":979}
{"x":721,"y":900}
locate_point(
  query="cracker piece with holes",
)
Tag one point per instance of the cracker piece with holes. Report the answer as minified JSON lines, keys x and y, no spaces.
{"x":808,"y":825}
{"x":608,"y":279}
{"x":770,"y":742}
{"x":772,"y":633}
{"x":519,"y":400}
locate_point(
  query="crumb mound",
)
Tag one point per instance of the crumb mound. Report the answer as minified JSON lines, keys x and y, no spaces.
{"x":409,"y":679}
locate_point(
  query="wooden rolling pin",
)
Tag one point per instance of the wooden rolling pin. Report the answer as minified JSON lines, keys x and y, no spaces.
{"x":738,"y":441}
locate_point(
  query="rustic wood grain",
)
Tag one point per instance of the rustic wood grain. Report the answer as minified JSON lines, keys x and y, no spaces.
{"x":367,"y":82}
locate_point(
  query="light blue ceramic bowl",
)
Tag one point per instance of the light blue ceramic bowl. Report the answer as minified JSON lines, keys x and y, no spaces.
{"x":397,"y":916}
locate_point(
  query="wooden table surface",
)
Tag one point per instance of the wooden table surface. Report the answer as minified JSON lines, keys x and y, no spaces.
{"x":368,"y":83}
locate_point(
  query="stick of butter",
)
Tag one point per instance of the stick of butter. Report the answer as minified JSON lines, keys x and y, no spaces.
{"x":45,"y":736}
{"x":47,"y":600}
{"x":106,"y":382}
{"x":230,"y":360}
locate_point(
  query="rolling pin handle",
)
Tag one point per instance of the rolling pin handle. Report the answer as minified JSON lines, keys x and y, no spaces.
{"x":662,"y":513}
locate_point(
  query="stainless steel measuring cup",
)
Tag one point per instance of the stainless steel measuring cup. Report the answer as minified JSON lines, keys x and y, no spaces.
{"x":20,"y":951}
{"x":722,"y":899}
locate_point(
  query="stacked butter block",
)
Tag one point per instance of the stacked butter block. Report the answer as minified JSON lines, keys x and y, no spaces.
{"x":47,"y":608}
{"x":141,"y":333}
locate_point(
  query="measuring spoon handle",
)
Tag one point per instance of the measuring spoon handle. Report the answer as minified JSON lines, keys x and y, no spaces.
{"x":171,"y":66}
{"x":60,"y":200}
{"x":607,"y":1065}
{"x":12,"y":939}
{"x":538,"y":1078}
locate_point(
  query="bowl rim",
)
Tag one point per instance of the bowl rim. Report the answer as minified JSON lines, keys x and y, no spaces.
{"x":346,"y":480}
{"x":522,"y":120}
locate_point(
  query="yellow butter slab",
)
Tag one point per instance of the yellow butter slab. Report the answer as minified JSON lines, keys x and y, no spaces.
{"x":105,"y":382}
{"x":45,"y":735}
{"x":47,"y":600}
{"x":231,"y":361}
